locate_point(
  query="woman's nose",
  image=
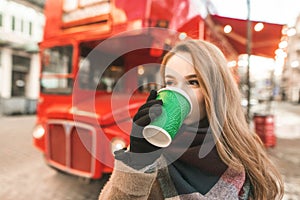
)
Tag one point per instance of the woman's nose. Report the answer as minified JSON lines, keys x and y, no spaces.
{"x":181,"y":85}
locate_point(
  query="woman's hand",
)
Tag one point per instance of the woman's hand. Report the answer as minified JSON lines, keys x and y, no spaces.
{"x":146,"y":113}
{"x":141,"y":152}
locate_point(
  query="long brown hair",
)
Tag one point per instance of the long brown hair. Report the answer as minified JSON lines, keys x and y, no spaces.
{"x":238,"y":146}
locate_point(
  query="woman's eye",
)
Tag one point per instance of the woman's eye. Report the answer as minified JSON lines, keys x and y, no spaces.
{"x":193,"y":82}
{"x":169,"y":83}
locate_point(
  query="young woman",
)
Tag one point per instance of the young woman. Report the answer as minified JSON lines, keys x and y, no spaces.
{"x":214,"y":155}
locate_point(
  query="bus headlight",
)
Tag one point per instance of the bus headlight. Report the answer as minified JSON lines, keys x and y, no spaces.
{"x":117,"y":144}
{"x":38,"y":132}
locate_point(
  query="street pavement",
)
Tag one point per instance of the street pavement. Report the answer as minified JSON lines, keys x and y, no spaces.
{"x":24,"y":175}
{"x":286,"y":153}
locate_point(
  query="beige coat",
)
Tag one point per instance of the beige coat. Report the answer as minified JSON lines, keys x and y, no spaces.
{"x":126,"y":183}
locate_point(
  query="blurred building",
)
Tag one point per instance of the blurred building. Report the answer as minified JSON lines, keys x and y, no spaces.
{"x":21,"y":28}
{"x":291,"y":75}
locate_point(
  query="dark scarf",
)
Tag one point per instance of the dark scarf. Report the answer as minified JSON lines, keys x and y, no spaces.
{"x":189,"y":172}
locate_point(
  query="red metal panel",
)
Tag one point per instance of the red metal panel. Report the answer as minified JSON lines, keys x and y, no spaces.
{"x":81,"y":149}
{"x":57,"y":144}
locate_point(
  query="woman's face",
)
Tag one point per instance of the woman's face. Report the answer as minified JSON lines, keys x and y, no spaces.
{"x":180,"y":72}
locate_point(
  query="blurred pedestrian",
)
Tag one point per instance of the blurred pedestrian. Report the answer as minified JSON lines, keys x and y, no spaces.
{"x":214,"y":155}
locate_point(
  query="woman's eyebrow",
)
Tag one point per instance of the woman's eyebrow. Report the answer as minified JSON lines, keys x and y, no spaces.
{"x":190,"y":76}
{"x":169,"y":76}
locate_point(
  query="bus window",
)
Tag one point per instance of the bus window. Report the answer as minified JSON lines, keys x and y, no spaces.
{"x":104,"y":72}
{"x":114,"y":79}
{"x":56,"y":70}
{"x":148,"y":77}
{"x":98,"y":70}
{"x":90,"y":76}
{"x":110,"y":77}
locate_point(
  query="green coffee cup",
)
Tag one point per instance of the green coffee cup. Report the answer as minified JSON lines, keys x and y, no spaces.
{"x":176,"y":107}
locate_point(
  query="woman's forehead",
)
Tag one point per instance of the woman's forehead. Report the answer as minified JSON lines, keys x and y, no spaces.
{"x":180,"y":64}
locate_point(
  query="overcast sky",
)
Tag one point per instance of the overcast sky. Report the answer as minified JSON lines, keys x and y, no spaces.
{"x":273,"y":11}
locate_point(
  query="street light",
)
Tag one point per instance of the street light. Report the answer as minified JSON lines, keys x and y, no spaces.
{"x":248,"y":50}
{"x":227,"y":29}
{"x":258,"y":27}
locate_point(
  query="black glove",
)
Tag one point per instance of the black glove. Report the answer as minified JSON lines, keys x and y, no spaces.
{"x":146,"y":113}
{"x":141,"y":152}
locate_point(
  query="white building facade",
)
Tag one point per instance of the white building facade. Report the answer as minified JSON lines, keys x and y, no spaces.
{"x":21,"y":28}
{"x":291,"y":75}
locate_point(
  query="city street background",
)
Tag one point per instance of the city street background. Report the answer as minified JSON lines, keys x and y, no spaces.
{"x":24,"y":175}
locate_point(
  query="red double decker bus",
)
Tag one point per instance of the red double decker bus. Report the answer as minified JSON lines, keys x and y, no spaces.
{"x":99,"y":59}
